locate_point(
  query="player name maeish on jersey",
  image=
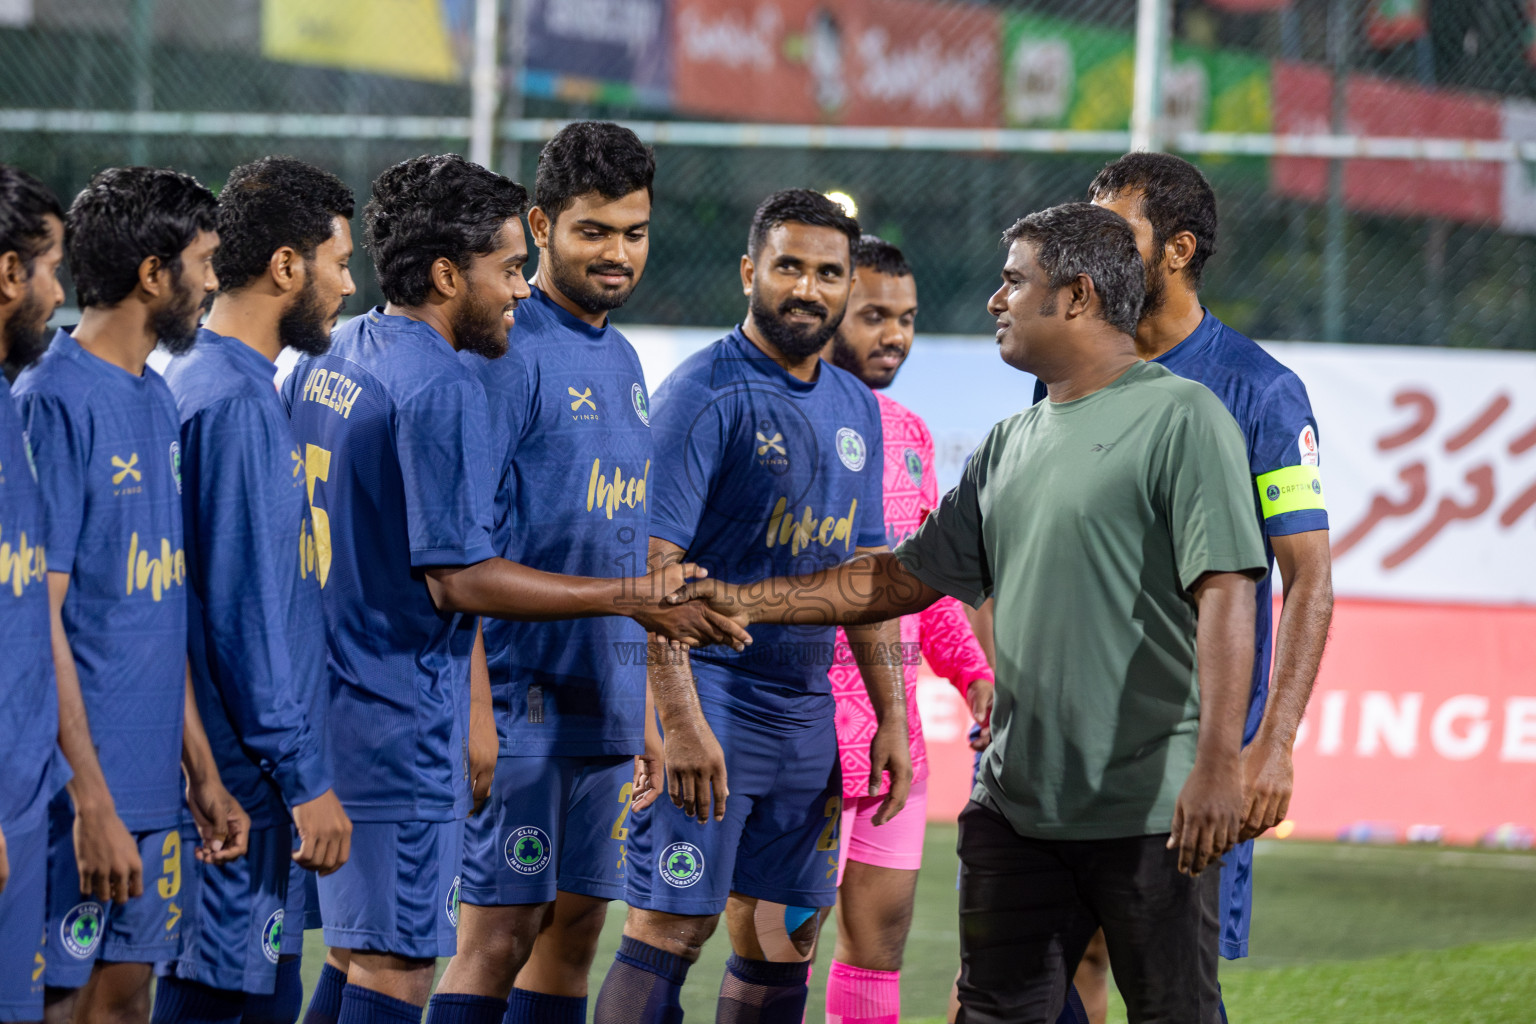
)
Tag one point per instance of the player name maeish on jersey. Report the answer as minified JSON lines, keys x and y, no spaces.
{"x":783,"y":529}
{"x":608,"y":495}
{"x":157,"y":575}
{"x":334,"y":390}
{"x":21,"y":563}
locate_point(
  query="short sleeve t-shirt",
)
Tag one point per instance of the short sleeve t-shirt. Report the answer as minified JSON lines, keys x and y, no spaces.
{"x":571,"y":425}
{"x":394,"y":434}
{"x":108,"y":457}
{"x":256,"y":642}
{"x":29,"y":698}
{"x":760,"y":474}
{"x":1271,"y":407}
{"x":1089,"y":521}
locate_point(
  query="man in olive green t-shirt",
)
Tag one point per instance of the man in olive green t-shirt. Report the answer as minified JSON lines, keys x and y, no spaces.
{"x":1114,"y":526}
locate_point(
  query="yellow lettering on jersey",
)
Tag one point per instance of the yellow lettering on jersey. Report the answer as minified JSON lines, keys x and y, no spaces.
{"x":156,"y":575}
{"x":21,"y":563}
{"x":608,"y":495}
{"x":827,"y":531}
{"x":336,"y":391}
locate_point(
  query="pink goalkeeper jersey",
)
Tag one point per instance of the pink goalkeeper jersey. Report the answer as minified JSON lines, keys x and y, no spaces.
{"x":943,"y":631}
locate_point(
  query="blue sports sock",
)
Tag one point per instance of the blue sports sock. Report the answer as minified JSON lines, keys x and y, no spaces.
{"x":325,"y":1003}
{"x":1073,"y":1011}
{"x":642,"y":986}
{"x":178,"y":1001}
{"x":457,"y":1008}
{"x":282,"y":1006}
{"x":763,"y":992}
{"x":365,"y":1006}
{"x":527,"y":1007}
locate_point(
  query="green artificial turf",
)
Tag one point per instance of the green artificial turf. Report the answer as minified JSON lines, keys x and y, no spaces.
{"x":1341,"y":933}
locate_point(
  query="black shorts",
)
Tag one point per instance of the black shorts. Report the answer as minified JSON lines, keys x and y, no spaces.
{"x":1029,"y":906}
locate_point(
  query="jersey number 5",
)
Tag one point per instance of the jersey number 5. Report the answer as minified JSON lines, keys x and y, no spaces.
{"x":317,"y":467}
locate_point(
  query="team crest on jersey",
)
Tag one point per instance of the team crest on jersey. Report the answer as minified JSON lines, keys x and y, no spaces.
{"x":914,"y":466}
{"x":528,"y":850}
{"x":637,"y":399}
{"x":176,"y":464}
{"x":1306,"y":442}
{"x":272,"y":936}
{"x":80,"y":931}
{"x":681,"y":864}
{"x":452,"y":902}
{"x":851,"y":449}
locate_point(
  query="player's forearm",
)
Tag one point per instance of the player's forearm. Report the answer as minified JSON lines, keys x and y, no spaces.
{"x":506,"y":590}
{"x":878,"y":653}
{"x":1224,"y":649}
{"x":88,"y":787}
{"x":1305,"y":616}
{"x":673,"y":693}
{"x":867,"y":588}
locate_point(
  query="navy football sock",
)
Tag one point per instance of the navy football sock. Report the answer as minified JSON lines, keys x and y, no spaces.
{"x":282,"y":1006}
{"x":763,"y":992}
{"x":364,"y":1006}
{"x":642,"y":986}
{"x":178,"y":1001}
{"x":457,"y":1008}
{"x":527,"y":1007}
{"x":1073,"y":1011}
{"x":325,"y":1003}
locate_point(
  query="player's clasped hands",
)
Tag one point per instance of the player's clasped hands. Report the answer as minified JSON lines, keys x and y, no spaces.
{"x":688,"y":622}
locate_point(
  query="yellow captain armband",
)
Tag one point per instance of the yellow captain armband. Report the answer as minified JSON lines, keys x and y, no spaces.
{"x":1290,"y":489}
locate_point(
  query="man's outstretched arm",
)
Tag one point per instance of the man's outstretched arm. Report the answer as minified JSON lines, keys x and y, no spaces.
{"x":869,"y":587}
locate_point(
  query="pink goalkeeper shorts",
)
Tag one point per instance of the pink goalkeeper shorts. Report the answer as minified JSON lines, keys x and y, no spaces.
{"x":896,"y":844}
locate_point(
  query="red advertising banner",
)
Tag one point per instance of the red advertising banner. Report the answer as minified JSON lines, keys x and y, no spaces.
{"x":1423,"y":719}
{"x":1390,"y":23}
{"x":874,"y":62}
{"x":1462,"y":191}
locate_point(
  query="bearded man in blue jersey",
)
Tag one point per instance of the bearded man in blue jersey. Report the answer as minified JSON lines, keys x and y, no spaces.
{"x":569,"y":410}
{"x":398,"y":449}
{"x":103,"y":431}
{"x":31,"y":249}
{"x":767,"y":458}
{"x":257,"y":642}
{"x":1172,"y":210}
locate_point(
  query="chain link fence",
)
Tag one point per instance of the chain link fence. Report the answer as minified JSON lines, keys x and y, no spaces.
{"x":996,"y":109}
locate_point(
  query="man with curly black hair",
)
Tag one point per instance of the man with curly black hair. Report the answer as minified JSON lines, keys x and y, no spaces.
{"x":397,"y":445}
{"x":257,"y":649}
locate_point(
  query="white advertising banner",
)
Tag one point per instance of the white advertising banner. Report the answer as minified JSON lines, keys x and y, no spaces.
{"x":1428,"y":455}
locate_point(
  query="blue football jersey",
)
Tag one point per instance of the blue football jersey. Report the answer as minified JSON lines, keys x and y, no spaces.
{"x":30,"y":770}
{"x":108,"y":457}
{"x":394,"y":434}
{"x":1270,"y":404}
{"x":256,"y":639}
{"x":761,"y":474}
{"x":569,"y":414}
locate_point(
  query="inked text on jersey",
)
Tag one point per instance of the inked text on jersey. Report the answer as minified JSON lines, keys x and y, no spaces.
{"x":799,"y":534}
{"x":606,"y":492}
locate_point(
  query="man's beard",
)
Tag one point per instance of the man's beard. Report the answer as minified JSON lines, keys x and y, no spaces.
{"x":575,"y":282}
{"x":1157,"y":289}
{"x":845,"y":358}
{"x":794,"y":343}
{"x":479,"y":328}
{"x":304,"y":326}
{"x":175,"y":325}
{"x":26,"y":333}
